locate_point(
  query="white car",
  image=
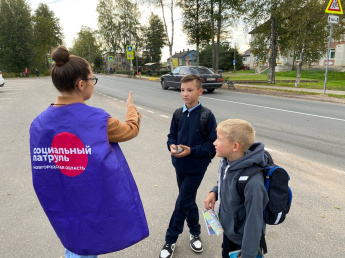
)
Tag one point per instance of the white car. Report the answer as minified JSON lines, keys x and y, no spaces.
{"x":2,"y":81}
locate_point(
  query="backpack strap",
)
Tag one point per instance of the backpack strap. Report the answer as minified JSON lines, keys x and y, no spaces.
{"x":243,"y":179}
{"x":263,"y":244}
{"x":203,"y":119}
{"x":177,"y":116}
{"x":241,"y":183}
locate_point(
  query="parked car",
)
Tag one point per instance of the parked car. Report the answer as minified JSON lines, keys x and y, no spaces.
{"x":210,"y":81}
{"x":219,"y":70}
{"x":2,"y":81}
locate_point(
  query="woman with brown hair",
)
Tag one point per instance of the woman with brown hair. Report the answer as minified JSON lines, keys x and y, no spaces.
{"x":80,"y":174}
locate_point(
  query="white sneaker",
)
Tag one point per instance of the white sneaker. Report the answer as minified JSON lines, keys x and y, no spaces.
{"x":195,"y":243}
{"x":167,"y":251}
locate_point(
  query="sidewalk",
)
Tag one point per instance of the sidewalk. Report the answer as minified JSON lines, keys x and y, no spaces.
{"x":335,"y":92}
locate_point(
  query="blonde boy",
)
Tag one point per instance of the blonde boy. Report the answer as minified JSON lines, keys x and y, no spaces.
{"x":242,"y":221}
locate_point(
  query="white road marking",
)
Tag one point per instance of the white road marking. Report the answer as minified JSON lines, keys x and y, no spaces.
{"x":276,"y":109}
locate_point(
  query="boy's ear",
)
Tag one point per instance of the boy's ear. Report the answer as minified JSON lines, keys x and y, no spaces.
{"x":201,"y":91}
{"x":236,"y":147}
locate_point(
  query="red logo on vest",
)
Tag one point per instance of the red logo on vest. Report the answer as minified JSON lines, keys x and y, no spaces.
{"x":72,"y":159}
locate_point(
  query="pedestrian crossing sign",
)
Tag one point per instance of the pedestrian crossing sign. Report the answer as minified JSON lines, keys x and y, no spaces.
{"x":130,"y":54}
{"x":334,"y":7}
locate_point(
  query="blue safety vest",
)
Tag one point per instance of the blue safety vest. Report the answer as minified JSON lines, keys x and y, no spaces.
{"x":83,"y":182}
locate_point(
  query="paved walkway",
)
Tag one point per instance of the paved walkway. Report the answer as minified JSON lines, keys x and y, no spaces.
{"x":336,"y":92}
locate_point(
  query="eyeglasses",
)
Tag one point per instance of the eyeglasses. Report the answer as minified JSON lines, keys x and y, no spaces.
{"x":95,"y":80}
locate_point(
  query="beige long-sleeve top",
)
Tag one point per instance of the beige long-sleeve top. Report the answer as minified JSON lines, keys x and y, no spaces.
{"x":117,"y":131}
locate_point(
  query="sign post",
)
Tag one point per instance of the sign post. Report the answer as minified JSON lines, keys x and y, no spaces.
{"x":130,"y":56}
{"x":129,"y":49}
{"x":333,"y":7}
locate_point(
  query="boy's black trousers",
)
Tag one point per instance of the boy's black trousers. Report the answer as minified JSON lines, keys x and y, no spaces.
{"x":185,"y":207}
{"x":228,"y":246}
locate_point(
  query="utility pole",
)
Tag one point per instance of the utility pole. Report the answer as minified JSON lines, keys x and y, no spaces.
{"x":234,"y":58}
{"x":89,"y":53}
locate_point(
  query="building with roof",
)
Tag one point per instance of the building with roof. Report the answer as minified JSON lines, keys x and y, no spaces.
{"x":286,"y":63}
{"x":114,"y":62}
{"x":183,"y":58}
{"x":247,"y":59}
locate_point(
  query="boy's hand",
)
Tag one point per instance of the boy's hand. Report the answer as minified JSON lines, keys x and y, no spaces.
{"x":185,"y":152}
{"x":130,"y":100}
{"x":210,"y":201}
{"x":173,"y":148}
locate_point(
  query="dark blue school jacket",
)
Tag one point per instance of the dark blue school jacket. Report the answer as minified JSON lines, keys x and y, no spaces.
{"x":189,"y":134}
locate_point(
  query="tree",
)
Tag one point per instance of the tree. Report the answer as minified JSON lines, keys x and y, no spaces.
{"x":16,"y":45}
{"x":85,"y":45}
{"x":264,"y":12}
{"x":98,"y":61}
{"x":223,"y":14}
{"x":196,"y":23}
{"x":306,"y":35}
{"x":108,"y":25}
{"x":155,"y":39}
{"x":118,"y":23}
{"x":47,"y":34}
{"x":170,"y":5}
{"x":293,"y":29}
{"x":226,"y":55}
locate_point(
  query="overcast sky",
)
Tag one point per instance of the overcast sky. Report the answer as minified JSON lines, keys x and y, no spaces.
{"x":75,"y":13}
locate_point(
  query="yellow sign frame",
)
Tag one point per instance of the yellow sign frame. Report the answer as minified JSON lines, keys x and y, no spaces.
{"x":130,"y":54}
{"x":175,"y":62}
{"x":334,"y":11}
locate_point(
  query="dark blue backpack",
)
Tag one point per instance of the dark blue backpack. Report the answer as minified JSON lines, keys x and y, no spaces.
{"x":276,"y":181}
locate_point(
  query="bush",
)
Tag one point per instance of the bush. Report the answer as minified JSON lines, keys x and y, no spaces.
{"x":9,"y":75}
{"x":45,"y":72}
{"x":162,"y":72}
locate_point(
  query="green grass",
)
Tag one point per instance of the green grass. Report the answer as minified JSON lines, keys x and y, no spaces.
{"x":337,"y":96}
{"x":335,"y":80}
{"x":243,"y":71}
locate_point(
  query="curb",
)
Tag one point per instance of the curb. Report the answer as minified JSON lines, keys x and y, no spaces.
{"x":154,"y":79}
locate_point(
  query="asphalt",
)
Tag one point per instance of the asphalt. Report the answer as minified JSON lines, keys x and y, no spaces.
{"x":320,"y":91}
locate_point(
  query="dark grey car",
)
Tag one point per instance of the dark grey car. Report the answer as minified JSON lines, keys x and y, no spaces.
{"x":210,"y":81}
